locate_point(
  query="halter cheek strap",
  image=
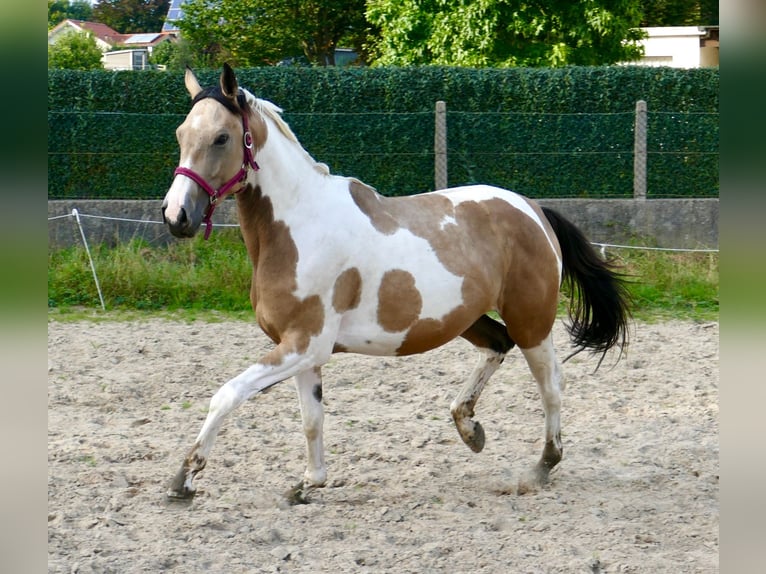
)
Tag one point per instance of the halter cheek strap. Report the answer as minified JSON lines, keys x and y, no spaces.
{"x":215,"y":195}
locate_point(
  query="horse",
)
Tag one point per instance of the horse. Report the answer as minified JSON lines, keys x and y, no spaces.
{"x":340,"y":268}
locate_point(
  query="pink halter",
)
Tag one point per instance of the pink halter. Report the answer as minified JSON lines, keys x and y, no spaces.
{"x":217,"y":194}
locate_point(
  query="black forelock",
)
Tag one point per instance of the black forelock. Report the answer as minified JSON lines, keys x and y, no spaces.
{"x":215,"y":93}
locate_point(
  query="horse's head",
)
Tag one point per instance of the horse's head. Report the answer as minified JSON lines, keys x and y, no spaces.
{"x":217,"y":148}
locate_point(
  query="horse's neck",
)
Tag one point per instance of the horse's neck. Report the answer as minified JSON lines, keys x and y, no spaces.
{"x":287,"y":185}
{"x":289,"y":176}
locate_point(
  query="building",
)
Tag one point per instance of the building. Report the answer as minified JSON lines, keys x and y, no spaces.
{"x":121,"y":51}
{"x":175,"y":13}
{"x":680,"y":47}
{"x":106,"y":37}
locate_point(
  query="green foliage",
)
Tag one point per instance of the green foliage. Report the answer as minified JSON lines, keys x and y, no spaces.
{"x":75,"y":51}
{"x":60,"y":10}
{"x":132,"y":16}
{"x":263,"y":32}
{"x":501,"y":33}
{"x":175,"y":56}
{"x":679,"y":13}
{"x":564,"y":132}
{"x":216,"y":274}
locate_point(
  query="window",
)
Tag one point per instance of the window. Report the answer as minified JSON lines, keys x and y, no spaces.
{"x":139,"y":59}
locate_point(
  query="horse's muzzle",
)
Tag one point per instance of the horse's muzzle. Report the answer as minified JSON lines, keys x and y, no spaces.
{"x":181,"y":226}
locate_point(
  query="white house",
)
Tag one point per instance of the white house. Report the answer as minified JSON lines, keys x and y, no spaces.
{"x":680,"y":47}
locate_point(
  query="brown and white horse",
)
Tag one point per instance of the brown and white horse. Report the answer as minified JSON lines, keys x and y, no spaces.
{"x":339,"y":268}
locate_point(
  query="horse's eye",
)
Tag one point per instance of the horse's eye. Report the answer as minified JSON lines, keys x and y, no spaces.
{"x":221,"y":139}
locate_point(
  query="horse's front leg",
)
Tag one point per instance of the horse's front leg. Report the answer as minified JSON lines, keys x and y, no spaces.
{"x":309,"y":387}
{"x":274,"y":367}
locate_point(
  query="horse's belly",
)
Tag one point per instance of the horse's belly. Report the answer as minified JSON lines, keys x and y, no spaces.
{"x":369,"y":340}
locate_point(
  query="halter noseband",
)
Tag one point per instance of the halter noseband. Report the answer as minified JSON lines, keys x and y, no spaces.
{"x":248,"y":162}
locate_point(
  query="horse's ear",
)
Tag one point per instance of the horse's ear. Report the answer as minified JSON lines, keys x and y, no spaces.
{"x":191,"y":83}
{"x":229,"y":83}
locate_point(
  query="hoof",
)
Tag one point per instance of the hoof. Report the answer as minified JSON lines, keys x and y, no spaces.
{"x":530,"y":483}
{"x":298,"y":494}
{"x":475,"y":440}
{"x":185,"y":494}
{"x":179,"y":488}
{"x":533,"y":480}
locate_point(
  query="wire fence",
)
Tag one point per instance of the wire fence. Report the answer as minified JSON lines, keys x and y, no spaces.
{"x":110,"y":155}
{"x":77,"y":217}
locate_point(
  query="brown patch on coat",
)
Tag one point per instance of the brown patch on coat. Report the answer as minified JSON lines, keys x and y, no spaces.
{"x":503,"y":256}
{"x":288,"y":320}
{"x":506,"y":264}
{"x":399,"y":301}
{"x":529,"y":300}
{"x":370,"y":203}
{"x":427,"y":334}
{"x":347,"y":292}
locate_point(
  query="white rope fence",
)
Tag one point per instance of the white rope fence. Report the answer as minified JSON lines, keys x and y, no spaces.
{"x":78,"y":219}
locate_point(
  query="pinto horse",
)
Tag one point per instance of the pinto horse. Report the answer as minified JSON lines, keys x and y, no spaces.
{"x":339,"y":268}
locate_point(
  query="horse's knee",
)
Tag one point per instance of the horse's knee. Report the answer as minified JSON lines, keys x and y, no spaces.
{"x":313,"y":420}
{"x":312,"y":431}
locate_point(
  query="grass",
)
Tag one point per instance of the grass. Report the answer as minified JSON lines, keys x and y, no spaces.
{"x":193,"y":275}
{"x":210,"y":280}
{"x":672,"y":285}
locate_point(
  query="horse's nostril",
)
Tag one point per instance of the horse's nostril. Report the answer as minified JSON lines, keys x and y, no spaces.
{"x":182,"y":219}
{"x":164,"y":220}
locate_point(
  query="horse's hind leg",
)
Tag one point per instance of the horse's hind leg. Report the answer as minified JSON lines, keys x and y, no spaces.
{"x":547,"y":372}
{"x":492,"y":339}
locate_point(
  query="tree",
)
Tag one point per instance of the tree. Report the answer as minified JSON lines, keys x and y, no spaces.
{"x":679,"y":13}
{"x":60,"y":10}
{"x":175,"y":56}
{"x":263,"y":32}
{"x":132,"y":16}
{"x":505,"y":32}
{"x":75,"y":51}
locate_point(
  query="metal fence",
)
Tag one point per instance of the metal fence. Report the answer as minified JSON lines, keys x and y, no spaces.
{"x":637,"y":153}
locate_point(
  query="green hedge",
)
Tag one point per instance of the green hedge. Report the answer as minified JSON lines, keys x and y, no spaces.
{"x":543,"y":132}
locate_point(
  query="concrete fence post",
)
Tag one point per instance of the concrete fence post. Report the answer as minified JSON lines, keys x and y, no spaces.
{"x":639,"y":152}
{"x":440,"y":146}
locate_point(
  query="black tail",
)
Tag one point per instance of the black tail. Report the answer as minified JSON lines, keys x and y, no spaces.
{"x":599,"y":299}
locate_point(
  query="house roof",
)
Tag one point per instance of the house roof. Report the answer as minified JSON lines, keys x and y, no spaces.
{"x":99,"y":30}
{"x":110,"y":36}
{"x":141,"y":38}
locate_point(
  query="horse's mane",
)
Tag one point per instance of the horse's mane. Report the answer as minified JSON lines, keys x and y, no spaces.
{"x":266,"y":108}
{"x":274,"y":113}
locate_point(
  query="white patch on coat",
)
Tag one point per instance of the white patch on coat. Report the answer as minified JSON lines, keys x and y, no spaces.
{"x":373,"y":253}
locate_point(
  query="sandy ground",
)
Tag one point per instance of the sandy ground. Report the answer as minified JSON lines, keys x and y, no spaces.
{"x":637,"y":490}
